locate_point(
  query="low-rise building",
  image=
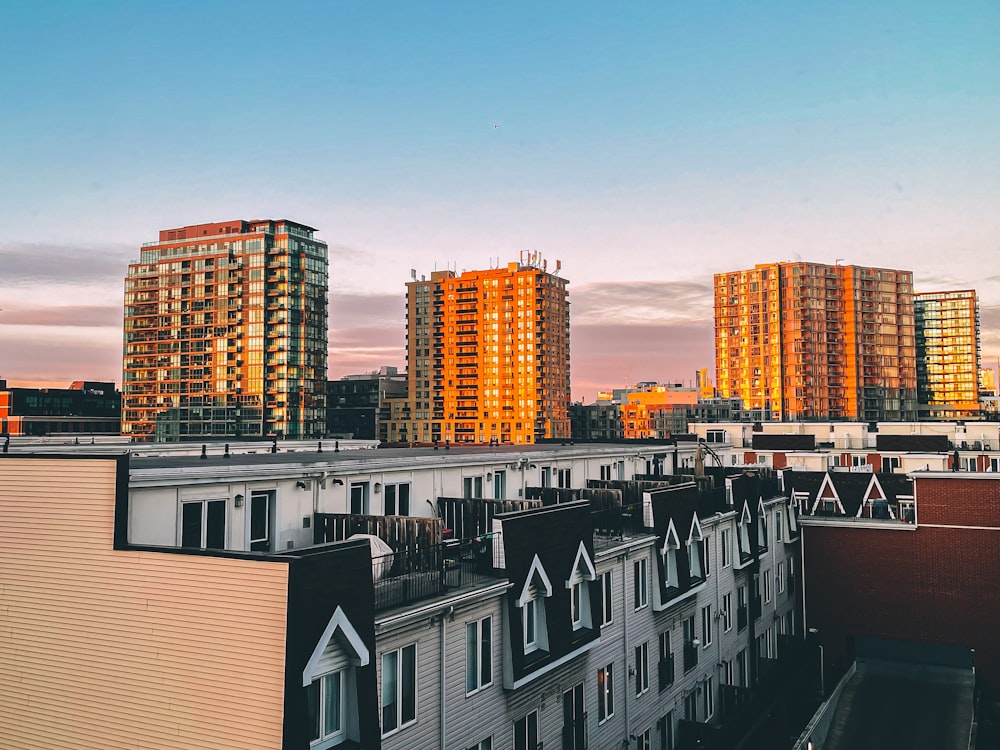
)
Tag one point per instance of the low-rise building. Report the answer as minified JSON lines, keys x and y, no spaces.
{"x":85,"y":408}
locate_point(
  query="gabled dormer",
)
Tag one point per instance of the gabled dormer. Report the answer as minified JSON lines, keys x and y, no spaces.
{"x":827,"y":502}
{"x":697,"y":565}
{"x":536,"y":589}
{"x":330,"y":680}
{"x":874,"y":502}
{"x":744,"y":527}
{"x":581,"y":576}
{"x":792,"y":520}
{"x":682,"y":567}
{"x":669,"y":553}
{"x":762,"y":531}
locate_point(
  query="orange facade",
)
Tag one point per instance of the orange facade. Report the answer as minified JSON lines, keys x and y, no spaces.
{"x":799,"y":341}
{"x":948,"y":354}
{"x":487,"y":358}
{"x":647,"y":414}
{"x":226,"y":333}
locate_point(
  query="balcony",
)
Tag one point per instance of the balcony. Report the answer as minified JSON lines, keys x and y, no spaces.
{"x":666,"y":672}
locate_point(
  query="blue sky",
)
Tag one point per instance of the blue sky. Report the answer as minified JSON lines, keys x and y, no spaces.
{"x":654,"y":143}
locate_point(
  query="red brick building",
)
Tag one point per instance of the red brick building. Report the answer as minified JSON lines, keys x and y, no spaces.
{"x":933,"y":581}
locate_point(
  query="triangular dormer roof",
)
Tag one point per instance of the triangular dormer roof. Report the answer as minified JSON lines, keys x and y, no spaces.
{"x":745,"y":515}
{"x":670,"y":540}
{"x":339,"y":634}
{"x":695,"y":534}
{"x":535,"y":572}
{"x":827,"y":491}
{"x":583,"y":568}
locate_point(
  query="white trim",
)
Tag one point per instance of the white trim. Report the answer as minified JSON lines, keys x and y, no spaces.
{"x":836,"y":496}
{"x":667,"y":543}
{"x":958,"y":526}
{"x":536,"y":569}
{"x":695,"y":525}
{"x":590,"y":573}
{"x":535,"y":674}
{"x":340,"y":622}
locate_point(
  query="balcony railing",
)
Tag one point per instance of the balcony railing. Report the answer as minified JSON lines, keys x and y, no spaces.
{"x":690,"y":656}
{"x":666,"y":672}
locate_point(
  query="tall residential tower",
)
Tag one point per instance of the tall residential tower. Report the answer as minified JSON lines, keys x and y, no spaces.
{"x":487,"y":357}
{"x":801,"y":341}
{"x":226,"y":333}
{"x":948,"y":354}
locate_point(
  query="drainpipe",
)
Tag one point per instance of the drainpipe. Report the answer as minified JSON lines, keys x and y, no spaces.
{"x":625,"y":642}
{"x":441,"y":680}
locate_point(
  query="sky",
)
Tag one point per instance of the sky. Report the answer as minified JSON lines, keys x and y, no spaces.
{"x":646,"y":146}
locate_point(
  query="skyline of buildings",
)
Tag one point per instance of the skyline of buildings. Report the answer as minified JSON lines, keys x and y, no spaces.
{"x":226,"y":333}
{"x":487,"y":356}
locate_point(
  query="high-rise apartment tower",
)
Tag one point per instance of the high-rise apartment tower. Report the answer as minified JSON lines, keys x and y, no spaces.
{"x":226,"y":333}
{"x":487,"y":356}
{"x":948,"y":354}
{"x":801,"y":341}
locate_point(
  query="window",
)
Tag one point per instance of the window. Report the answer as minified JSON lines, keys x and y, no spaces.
{"x":607,"y":611}
{"x":526,"y":732}
{"x":499,"y":485}
{"x":709,"y":694}
{"x":203,"y":524}
{"x":546,"y":476}
{"x":767,"y":585}
{"x":397,"y":499}
{"x":727,"y":672}
{"x":666,"y":664}
{"x":695,"y":560}
{"x":537,"y":589}
{"x":726,"y":544}
{"x":669,"y":552}
{"x":326,"y":708}
{"x":642,"y":741}
{"x":579,"y":585}
{"x":478,"y":654}
{"x":761,"y":528}
{"x":399,"y":688}
{"x":564,"y":478}
{"x":261,"y":520}
{"x":706,"y":626}
{"x":641,"y":669}
{"x":777,"y":525}
{"x":574,"y":719}
{"x":606,"y":472}
{"x":667,"y":731}
{"x":640,"y":591}
{"x":780,"y":577}
{"x":691,"y":706}
{"x":360,"y":498}
{"x":741,"y":668}
{"x":486,"y":744}
{"x":605,"y":693}
{"x":727,"y":612}
{"x":472,"y":487}
{"x":741,"y":601}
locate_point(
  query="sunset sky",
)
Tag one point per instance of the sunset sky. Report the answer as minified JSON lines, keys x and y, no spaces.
{"x":645,"y":145}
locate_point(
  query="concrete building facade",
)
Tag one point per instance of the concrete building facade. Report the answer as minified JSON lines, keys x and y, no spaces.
{"x":226,"y":333}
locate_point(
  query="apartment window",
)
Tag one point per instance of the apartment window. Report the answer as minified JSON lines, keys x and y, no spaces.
{"x":486,"y":744}
{"x":526,"y":732}
{"x":574,"y":719}
{"x":727,"y":612}
{"x":580,"y":578}
{"x":726,"y":543}
{"x":360,"y":498}
{"x":532,"y":604}
{"x":706,"y":626}
{"x":606,"y":472}
{"x":666,"y":663}
{"x":670,"y":548}
{"x":327,"y":709}
{"x":478,"y":654}
{"x":546,"y":476}
{"x":605,"y":693}
{"x":780,"y":577}
{"x":741,"y":668}
{"x":727,"y":672}
{"x":667,"y":731}
{"x":767,"y":585}
{"x":607,"y":610}
{"x":761,"y":529}
{"x":777,"y":526}
{"x":709,"y":694}
{"x":640,"y":590}
{"x":399,"y":688}
{"x":642,"y":741}
{"x":203,"y":524}
{"x":531,"y":615}
{"x":397,"y":499}
{"x":691,"y":706}
{"x":641,"y":669}
{"x":564,"y":478}
{"x":472,"y":487}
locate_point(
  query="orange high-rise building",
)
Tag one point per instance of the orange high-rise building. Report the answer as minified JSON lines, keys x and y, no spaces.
{"x":801,"y":341}
{"x":226,"y":333}
{"x":948,"y":354}
{"x":487,"y":357}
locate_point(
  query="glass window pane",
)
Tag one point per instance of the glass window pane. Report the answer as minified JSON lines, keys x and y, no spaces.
{"x":408,"y":680}
{"x":215,"y":535}
{"x":191,"y":525}
{"x":331,"y":703}
{"x":312,"y":703}
{"x":389,"y":691}
{"x":471,"y":673}
{"x":486,"y":655}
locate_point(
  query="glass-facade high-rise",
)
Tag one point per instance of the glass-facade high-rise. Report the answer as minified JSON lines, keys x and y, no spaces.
{"x":226,"y":333}
{"x":948,"y":354}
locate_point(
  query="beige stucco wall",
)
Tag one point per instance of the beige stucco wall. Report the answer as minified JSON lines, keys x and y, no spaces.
{"x":120,"y":649}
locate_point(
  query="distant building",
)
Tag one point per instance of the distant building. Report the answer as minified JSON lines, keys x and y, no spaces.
{"x":354,"y":403}
{"x":948,"y":354}
{"x":226,"y":333}
{"x":656,"y":411}
{"x":487,"y":357}
{"x":85,"y":408}
{"x":807,"y":341}
{"x":599,"y":422}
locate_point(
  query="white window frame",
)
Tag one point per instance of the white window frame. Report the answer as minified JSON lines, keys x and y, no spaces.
{"x":780,"y":577}
{"x":696,"y":566}
{"x":402,"y":721}
{"x":726,"y":542}
{"x":478,"y":654}
{"x":527,"y":741}
{"x":607,"y":598}
{"x":581,"y":576}
{"x":640,"y":577}
{"x":706,"y":626}
{"x":336,"y":736}
{"x":766,"y":578}
{"x":669,"y":551}
{"x":709,"y":703}
{"x":392,"y":488}
{"x":727,"y":612}
{"x":778,"y":532}
{"x":537,"y":588}
{"x":605,"y":693}
{"x":641,"y":668}
{"x":203,"y":537}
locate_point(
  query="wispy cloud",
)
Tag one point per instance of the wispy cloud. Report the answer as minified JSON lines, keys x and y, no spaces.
{"x":642,"y":302}
{"x":63,"y":264}
{"x":66,"y":315}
